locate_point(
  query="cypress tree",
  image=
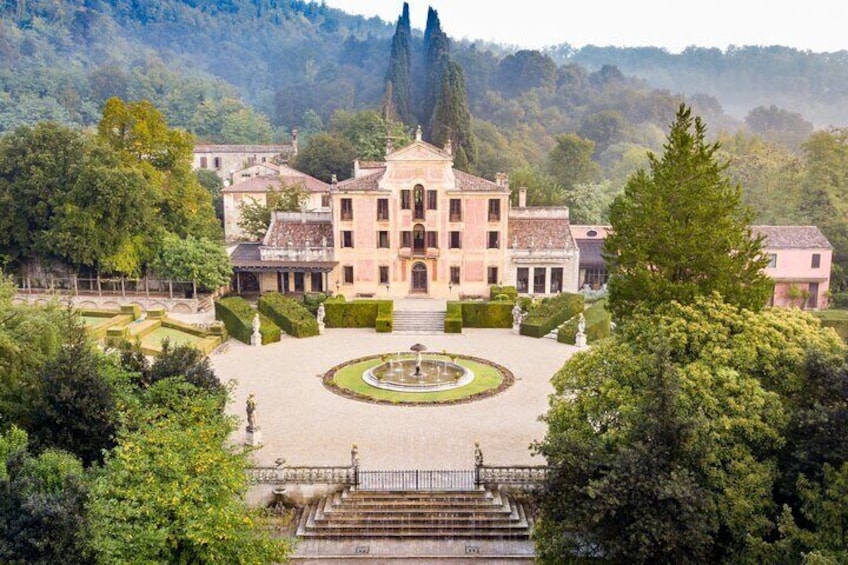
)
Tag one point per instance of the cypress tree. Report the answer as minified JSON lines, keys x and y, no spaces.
{"x":436,"y":56}
{"x":398,"y":104}
{"x":451,"y":117}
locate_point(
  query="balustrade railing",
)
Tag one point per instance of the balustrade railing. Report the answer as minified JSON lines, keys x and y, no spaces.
{"x":511,"y":475}
{"x":303,"y":475}
{"x":292,"y":253}
{"x":101,"y":286}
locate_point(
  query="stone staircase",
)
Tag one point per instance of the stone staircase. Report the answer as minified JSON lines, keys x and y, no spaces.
{"x":422,"y":322}
{"x":364,"y":514}
{"x":472,"y":526}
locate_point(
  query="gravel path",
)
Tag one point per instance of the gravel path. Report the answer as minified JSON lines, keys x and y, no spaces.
{"x":306,"y":424}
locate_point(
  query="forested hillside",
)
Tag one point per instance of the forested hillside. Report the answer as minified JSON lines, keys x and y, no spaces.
{"x":571,"y":125}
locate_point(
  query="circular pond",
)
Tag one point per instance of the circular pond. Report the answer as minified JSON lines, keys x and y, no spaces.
{"x":428,"y":380}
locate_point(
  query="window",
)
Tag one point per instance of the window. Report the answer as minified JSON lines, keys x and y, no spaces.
{"x":418,"y":201}
{"x":493,"y":275}
{"x":432,"y":239}
{"x":204,"y":163}
{"x":539,"y":276}
{"x":556,"y":280}
{"x":405,"y":200}
{"x":455,"y":210}
{"x":494,"y":209}
{"x":816,"y":261}
{"x":432,"y":199}
{"x":384,"y":274}
{"x":454,"y":275}
{"x":383,"y":239}
{"x":455,"y":240}
{"x":298,"y":282}
{"x":592,"y":233}
{"x":522,"y":280}
{"x":216,"y":161}
{"x":347,"y":238}
{"x":348,"y":274}
{"x":325,"y":201}
{"x":383,"y":209}
{"x":494,"y":240}
{"x":406,"y":239}
{"x":347,"y":209}
{"x":772,"y":260}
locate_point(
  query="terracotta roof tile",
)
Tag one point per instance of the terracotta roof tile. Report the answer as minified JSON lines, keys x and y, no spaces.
{"x":787,"y":237}
{"x":369,"y":181}
{"x":300,"y":234}
{"x":211,"y":148}
{"x":540,"y":233}
{"x":464,"y":181}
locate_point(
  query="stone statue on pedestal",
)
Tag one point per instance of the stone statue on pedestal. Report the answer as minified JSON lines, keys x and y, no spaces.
{"x":319,"y":317}
{"x":256,"y":337}
{"x":253,"y":437}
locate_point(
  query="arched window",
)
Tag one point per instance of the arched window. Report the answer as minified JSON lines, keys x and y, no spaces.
{"x":418,"y":202}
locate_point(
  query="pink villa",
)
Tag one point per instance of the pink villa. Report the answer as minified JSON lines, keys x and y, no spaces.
{"x":799,"y":262}
{"x":410,"y":225}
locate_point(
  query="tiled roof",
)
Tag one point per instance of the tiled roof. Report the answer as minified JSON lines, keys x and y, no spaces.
{"x":464,"y":181}
{"x":299,"y":233}
{"x":372,"y":164}
{"x":539,"y":233}
{"x":245,"y":252}
{"x":288,"y":176}
{"x":369,"y":181}
{"x":243,"y":148}
{"x":787,"y":237}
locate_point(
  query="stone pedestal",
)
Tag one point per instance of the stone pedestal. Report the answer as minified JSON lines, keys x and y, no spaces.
{"x":321,"y":328}
{"x":256,"y":339}
{"x":253,"y":437}
{"x":516,"y":329}
{"x":580,"y":340}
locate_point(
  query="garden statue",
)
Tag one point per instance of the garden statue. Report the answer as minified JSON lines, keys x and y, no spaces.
{"x":251,"y":413}
{"x":256,"y":337}
{"x":320,"y":315}
{"x":478,"y":454}
{"x":581,"y":324}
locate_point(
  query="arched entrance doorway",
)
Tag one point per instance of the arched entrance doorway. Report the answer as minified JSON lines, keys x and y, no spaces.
{"x":419,"y":278}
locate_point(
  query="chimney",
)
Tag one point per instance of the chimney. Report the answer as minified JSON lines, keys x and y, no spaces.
{"x":522,"y":197}
{"x":294,"y":140}
{"x":499,"y":179}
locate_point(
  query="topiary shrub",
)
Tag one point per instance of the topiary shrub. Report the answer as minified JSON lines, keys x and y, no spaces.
{"x":385,"y":316}
{"x":237,"y":315}
{"x":509,"y":291}
{"x":497,"y":314}
{"x":290,"y":315}
{"x":312,"y":300}
{"x":550,"y":313}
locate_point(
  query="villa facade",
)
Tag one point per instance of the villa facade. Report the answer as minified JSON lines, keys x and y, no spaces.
{"x":413,"y":226}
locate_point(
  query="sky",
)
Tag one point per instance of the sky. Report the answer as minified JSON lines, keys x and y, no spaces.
{"x":815,"y":25}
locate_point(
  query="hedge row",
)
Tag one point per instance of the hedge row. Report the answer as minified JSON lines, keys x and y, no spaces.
{"x":453,"y":318}
{"x":497,"y":314}
{"x":597,"y":324}
{"x":290,"y":315}
{"x":376,"y":314}
{"x":509,"y":291}
{"x":550,"y":313}
{"x":237,"y":316}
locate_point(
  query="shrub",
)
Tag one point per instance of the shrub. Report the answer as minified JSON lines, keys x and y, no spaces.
{"x":839,"y":300}
{"x":358,"y":314}
{"x":237,"y":316}
{"x":312,"y":300}
{"x":290,"y":315}
{"x":510,"y":292}
{"x":597,"y":324}
{"x":497,"y":314}
{"x":550,"y":313}
{"x":453,"y":318}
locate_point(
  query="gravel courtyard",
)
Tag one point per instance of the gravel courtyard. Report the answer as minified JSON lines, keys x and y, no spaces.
{"x":307,"y":424}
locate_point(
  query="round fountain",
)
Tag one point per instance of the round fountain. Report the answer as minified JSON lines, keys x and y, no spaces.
{"x":417,"y":374}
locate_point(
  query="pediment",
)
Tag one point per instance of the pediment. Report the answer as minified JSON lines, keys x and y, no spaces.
{"x":419,"y":151}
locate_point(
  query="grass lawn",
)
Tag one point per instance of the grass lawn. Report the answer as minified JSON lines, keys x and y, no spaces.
{"x":836,"y":319}
{"x":177,"y":337}
{"x":486,"y":378}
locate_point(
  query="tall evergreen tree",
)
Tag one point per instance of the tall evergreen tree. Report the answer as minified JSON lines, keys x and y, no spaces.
{"x":436,"y":56}
{"x":451,"y":119}
{"x":680,"y":230}
{"x":398,"y":76}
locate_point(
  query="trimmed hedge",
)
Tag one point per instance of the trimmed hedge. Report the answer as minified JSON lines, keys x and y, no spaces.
{"x":496,"y":290}
{"x":495,"y":314}
{"x":453,"y":318}
{"x":552,"y":312}
{"x":597,"y":324}
{"x":290,"y":315}
{"x":237,"y":316}
{"x":376,"y":314}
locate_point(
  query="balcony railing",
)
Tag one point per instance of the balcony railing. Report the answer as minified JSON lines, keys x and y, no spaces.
{"x":300,"y":253}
